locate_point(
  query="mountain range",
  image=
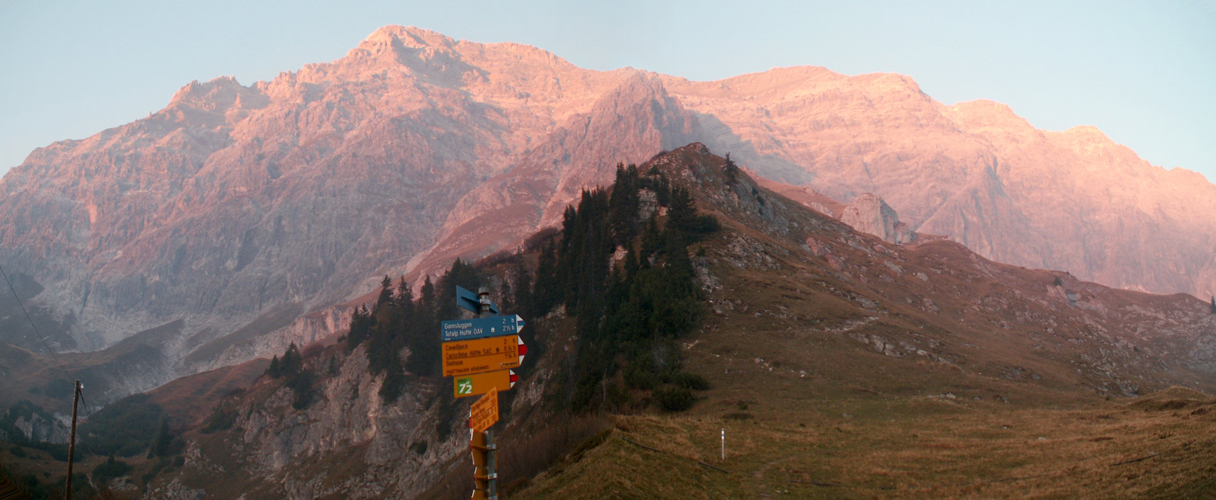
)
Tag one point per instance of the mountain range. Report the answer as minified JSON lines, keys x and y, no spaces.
{"x":829,"y":358}
{"x":243,"y":208}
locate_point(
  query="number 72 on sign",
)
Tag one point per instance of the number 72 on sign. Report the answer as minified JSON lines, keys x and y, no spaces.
{"x":482,"y":383}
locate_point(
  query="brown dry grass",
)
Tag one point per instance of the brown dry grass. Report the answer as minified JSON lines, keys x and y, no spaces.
{"x":923,"y":448}
{"x":996,"y":405}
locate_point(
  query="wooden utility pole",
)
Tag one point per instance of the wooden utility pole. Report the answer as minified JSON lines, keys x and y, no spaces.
{"x":72,"y":441}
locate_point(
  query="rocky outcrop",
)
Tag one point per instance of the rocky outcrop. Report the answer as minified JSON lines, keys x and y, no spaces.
{"x":38,"y":429}
{"x":869,"y":214}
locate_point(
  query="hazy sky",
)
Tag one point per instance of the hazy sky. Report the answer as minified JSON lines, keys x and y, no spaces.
{"x":1144,"y":73}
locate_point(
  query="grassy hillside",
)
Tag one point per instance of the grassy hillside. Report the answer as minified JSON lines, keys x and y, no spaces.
{"x":1158,"y":446}
{"x":842,"y":367}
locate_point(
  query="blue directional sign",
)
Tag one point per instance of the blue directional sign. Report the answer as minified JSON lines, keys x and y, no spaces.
{"x":464,"y":329}
{"x":469,"y":300}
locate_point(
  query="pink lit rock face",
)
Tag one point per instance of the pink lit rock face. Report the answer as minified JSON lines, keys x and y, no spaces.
{"x":235,"y":204}
{"x":975,"y":172}
{"x":869,"y":214}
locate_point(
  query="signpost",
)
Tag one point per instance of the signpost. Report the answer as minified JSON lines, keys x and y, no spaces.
{"x":482,"y":355}
{"x":485,"y":475}
{"x":482,"y":415}
{"x":482,"y":383}
{"x":472,"y":301}
{"x":466,"y":329}
{"x":484,"y":412}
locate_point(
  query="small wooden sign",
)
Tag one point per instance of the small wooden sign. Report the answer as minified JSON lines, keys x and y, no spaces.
{"x":484,"y":412}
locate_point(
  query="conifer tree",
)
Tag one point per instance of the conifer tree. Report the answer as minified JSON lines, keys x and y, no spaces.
{"x":162,"y":444}
{"x":404,"y":299}
{"x":623,"y":204}
{"x":544,"y":291}
{"x":428,"y":294}
{"x":681,"y":213}
{"x":651,"y":241}
{"x":291,"y":362}
{"x":273,"y":371}
{"x":521,"y":300}
{"x":405,"y":293}
{"x":361,"y":322}
{"x":730,"y":170}
{"x":424,"y":337}
{"x":1213,"y":305}
{"x":386,"y":291}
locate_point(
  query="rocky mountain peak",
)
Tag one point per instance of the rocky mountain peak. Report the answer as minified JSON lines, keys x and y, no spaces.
{"x":219,"y":94}
{"x":403,"y":43}
{"x":986,"y":114}
{"x":1088,"y":140}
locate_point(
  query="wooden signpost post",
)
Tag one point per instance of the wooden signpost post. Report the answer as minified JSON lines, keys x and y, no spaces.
{"x":479,"y":354}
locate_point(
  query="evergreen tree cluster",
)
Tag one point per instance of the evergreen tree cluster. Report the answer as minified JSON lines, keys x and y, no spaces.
{"x":110,"y":469}
{"x":167,"y":442}
{"x":291,"y":367}
{"x":398,"y":321}
{"x":628,"y":315}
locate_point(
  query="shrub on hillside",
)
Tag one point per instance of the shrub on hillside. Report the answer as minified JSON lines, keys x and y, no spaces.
{"x":167,"y":442}
{"x":674,"y":398}
{"x":124,"y":428}
{"x":301,"y":385}
{"x":110,"y":469}
{"x":690,"y":381}
{"x":220,"y":420}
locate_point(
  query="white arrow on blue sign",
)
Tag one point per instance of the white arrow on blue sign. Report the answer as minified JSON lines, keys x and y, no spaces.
{"x":464,"y":329}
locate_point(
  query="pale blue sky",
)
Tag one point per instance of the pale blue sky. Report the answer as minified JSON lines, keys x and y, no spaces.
{"x":1144,"y":73}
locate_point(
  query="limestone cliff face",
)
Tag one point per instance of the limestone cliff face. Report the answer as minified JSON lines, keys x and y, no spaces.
{"x":236,"y":203}
{"x":975,"y":172}
{"x":869,"y":214}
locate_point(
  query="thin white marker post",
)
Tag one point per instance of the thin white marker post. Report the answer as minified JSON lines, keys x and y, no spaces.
{"x":723,"y":444}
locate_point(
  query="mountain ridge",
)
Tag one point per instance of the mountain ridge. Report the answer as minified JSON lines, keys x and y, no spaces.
{"x":413,"y":149}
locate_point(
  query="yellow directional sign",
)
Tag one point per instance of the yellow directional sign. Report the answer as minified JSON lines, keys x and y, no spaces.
{"x":482,"y":355}
{"x":481,"y":383}
{"x":477,"y":446}
{"x":484,"y":412}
